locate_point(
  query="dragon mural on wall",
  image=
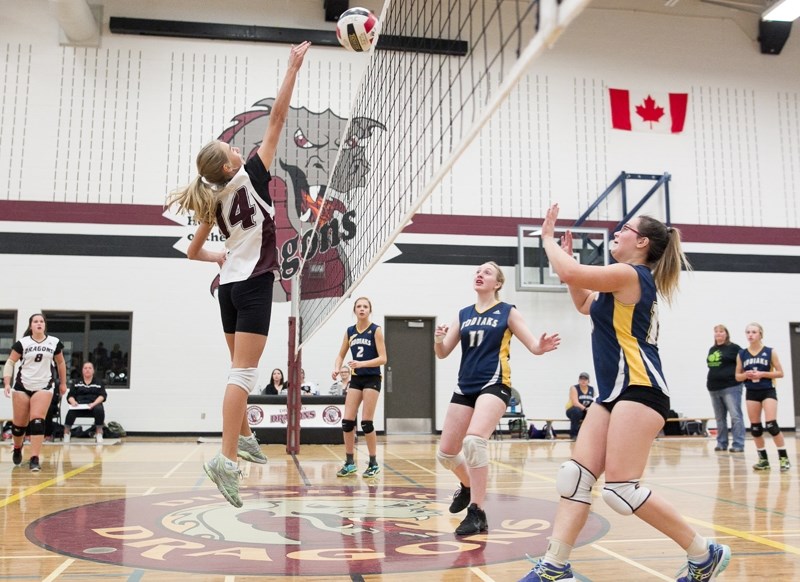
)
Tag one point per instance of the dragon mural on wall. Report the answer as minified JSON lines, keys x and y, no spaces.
{"x":301,"y":178}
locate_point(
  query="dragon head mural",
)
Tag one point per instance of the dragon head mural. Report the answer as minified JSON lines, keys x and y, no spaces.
{"x":301,"y":178}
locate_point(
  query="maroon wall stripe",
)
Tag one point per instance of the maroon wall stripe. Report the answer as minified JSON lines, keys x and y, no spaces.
{"x":83,"y":213}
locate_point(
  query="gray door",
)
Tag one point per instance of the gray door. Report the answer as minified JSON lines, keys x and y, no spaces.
{"x":409,"y":391}
{"x":794,"y":342}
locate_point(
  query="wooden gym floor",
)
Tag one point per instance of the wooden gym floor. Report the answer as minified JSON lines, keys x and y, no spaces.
{"x":143,"y":510}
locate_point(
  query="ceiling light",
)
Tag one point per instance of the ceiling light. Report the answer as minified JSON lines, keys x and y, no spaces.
{"x":783,"y":10}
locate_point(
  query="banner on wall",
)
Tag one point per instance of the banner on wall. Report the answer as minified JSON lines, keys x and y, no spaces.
{"x":650,"y":111}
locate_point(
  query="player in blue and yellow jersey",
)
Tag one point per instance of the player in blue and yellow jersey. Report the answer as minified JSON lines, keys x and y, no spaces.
{"x":368,"y":351}
{"x":484,"y":331}
{"x":633,"y":399}
{"x":758,"y":367}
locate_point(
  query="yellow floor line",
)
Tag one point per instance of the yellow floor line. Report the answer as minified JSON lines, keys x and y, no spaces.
{"x":522,"y":471}
{"x":44,"y":485}
{"x":55,"y":573}
{"x":481,"y":574}
{"x":745,"y":536}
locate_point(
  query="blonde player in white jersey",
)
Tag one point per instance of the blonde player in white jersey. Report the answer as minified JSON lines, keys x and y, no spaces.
{"x":33,"y":385}
{"x":233,"y":194}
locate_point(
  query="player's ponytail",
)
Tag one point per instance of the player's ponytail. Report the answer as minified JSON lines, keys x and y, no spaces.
{"x":201,"y":196}
{"x":664,"y":255}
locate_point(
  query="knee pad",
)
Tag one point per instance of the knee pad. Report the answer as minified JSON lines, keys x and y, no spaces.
{"x":476,"y":451}
{"x":625,"y":497}
{"x":36,"y":426}
{"x":773,"y":428}
{"x":756,"y":429}
{"x":18,"y":431}
{"x":367,"y":426}
{"x":245,"y":378}
{"x":348,"y":425}
{"x":575,"y":482}
{"x":450,"y":462}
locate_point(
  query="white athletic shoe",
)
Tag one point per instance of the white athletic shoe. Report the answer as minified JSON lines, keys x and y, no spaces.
{"x":66,"y":438}
{"x":98,"y":438}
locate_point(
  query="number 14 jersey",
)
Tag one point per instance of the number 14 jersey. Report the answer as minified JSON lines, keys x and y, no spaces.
{"x":245,"y":216}
{"x":485,"y":342}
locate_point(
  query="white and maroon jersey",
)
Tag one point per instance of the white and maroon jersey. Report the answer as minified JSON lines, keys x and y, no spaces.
{"x":245,"y":216}
{"x":36,"y":364}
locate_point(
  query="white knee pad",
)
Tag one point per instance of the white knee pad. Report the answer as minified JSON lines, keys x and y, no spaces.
{"x":245,"y":378}
{"x":625,"y":497}
{"x":449,"y":462}
{"x":575,"y":482}
{"x":476,"y":451}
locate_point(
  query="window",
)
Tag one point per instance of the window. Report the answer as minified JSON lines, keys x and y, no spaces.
{"x":101,"y":338}
{"x":8,"y":324}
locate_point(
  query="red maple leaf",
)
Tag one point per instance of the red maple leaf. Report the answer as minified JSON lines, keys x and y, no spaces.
{"x":650,"y":112}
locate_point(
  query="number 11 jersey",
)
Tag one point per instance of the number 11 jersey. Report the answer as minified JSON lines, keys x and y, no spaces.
{"x":485,"y":342}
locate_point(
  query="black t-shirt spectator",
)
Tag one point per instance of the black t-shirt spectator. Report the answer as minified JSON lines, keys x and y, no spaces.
{"x":84,"y":393}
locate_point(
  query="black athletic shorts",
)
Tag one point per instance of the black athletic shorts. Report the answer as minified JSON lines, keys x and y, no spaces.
{"x":361,"y":382}
{"x":247,"y":305}
{"x":20,"y":388}
{"x":647,"y":395}
{"x":760,"y":394}
{"x":502,"y":391}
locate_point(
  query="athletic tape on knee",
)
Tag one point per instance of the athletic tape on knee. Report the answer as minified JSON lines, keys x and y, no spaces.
{"x":348,"y":425}
{"x":773,"y":428}
{"x":36,"y":426}
{"x":476,"y":451}
{"x":245,"y":378}
{"x":625,"y":497}
{"x":367,"y":426}
{"x":450,"y":462}
{"x":756,"y":429}
{"x":575,"y":482}
{"x":18,"y":431}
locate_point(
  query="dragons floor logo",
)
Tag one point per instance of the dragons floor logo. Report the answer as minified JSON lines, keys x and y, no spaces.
{"x":293,"y":531}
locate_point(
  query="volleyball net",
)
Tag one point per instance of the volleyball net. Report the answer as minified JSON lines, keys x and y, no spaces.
{"x":438,"y":72}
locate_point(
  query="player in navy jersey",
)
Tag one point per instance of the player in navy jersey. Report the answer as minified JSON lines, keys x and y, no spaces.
{"x":368,"y":352}
{"x":33,"y":385}
{"x":633,"y":398}
{"x":758,"y":367}
{"x":483,"y":391}
{"x":234,"y":194}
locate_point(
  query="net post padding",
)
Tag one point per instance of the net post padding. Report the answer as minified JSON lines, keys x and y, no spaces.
{"x":294,"y":366}
{"x":553,"y":18}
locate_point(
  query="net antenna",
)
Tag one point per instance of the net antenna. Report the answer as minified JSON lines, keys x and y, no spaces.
{"x":416,"y":111}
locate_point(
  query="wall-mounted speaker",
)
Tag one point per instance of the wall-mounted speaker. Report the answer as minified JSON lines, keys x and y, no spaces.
{"x":772,"y":35}
{"x":334,"y":9}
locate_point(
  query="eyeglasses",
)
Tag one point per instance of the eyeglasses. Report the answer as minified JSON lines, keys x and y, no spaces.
{"x":633,"y":230}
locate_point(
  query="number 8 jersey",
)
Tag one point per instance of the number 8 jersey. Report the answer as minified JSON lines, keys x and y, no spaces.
{"x":245,"y":217}
{"x":485,"y":342}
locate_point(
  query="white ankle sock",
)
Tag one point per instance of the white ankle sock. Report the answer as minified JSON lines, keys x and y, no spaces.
{"x":229,"y":465}
{"x":698,"y":550}
{"x":557,"y":552}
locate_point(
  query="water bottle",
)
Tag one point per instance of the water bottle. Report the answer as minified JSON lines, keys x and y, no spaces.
{"x":513,"y":404}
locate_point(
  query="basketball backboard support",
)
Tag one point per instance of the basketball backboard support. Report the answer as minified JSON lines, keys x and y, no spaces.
{"x":590,"y":247}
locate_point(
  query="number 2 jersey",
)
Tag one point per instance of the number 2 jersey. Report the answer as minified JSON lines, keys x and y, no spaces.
{"x":363,"y":348}
{"x":762,"y":362}
{"x":485,"y":342}
{"x":36,"y":364}
{"x":245,"y":215}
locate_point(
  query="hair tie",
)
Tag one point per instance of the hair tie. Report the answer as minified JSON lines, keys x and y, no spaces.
{"x":211,"y":185}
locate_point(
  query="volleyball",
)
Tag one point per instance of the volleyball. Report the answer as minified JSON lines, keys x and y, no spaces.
{"x":356,"y":29}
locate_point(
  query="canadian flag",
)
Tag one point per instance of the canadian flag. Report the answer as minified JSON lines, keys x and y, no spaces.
{"x":648,"y":111}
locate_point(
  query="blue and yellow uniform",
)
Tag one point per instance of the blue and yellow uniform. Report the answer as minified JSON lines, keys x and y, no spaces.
{"x":625,"y":341}
{"x":485,"y":341}
{"x":363,"y":348}
{"x":761,"y":362}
